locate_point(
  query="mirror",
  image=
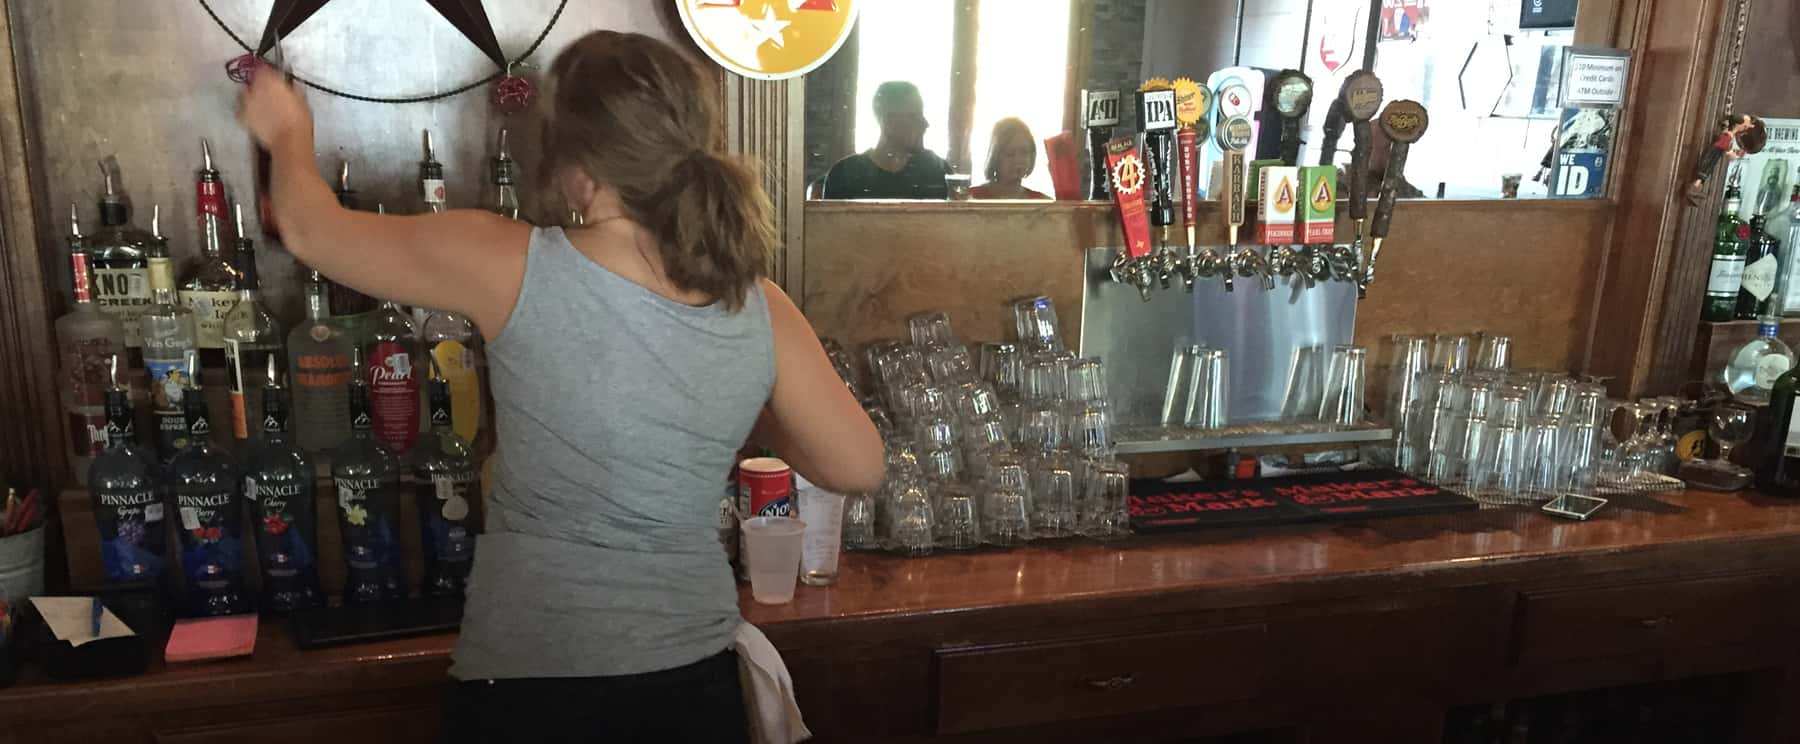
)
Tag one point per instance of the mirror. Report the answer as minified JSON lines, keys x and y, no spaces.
{"x":986,"y":99}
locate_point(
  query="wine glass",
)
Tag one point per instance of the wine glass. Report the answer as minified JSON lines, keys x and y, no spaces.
{"x":1730,"y":426}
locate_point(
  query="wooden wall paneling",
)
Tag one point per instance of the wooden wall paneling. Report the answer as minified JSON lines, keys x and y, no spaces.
{"x":765,"y":123}
{"x":31,"y":430}
{"x":1643,"y":322}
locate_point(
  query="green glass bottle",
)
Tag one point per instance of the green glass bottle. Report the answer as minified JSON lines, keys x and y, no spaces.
{"x":1727,"y":274}
{"x":1778,"y":469}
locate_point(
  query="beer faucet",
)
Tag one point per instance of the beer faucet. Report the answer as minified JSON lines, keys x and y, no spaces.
{"x":1191,"y":103}
{"x":1244,"y":261}
{"x":1404,"y":122}
{"x":1134,"y":263}
{"x":1291,"y":96}
{"x":1157,"y":119}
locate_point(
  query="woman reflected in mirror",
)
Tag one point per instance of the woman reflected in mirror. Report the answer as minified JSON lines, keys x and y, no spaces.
{"x":1012,"y":156}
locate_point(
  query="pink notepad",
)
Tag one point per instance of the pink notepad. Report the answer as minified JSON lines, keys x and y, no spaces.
{"x":212,"y":638}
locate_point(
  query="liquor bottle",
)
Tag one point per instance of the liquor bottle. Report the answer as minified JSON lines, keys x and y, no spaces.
{"x":87,"y":341}
{"x":205,"y":483}
{"x":455,"y":348}
{"x":252,"y":337}
{"x":284,"y":511}
{"x":348,"y":306}
{"x":209,"y":193}
{"x":168,"y":342}
{"x":125,"y":482}
{"x":1726,"y":277}
{"x":447,"y":484}
{"x":505,"y":179}
{"x":211,"y":287}
{"x":366,"y":476}
{"x":435,"y":199}
{"x":1751,"y":373}
{"x":1790,"y":293}
{"x":393,"y":389}
{"x":120,"y":253}
{"x":1762,"y":269}
{"x":319,"y":353}
{"x":1778,"y":440}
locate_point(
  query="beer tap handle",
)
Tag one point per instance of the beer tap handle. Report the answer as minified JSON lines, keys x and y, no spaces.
{"x":1404,"y":122}
{"x":1359,"y":171}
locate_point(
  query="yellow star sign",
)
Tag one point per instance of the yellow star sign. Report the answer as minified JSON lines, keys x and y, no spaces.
{"x":769,"y":39}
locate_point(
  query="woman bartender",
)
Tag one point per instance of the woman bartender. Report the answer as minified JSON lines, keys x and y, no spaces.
{"x":630,"y":359}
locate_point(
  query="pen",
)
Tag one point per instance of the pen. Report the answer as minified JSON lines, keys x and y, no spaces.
{"x":99,"y":611}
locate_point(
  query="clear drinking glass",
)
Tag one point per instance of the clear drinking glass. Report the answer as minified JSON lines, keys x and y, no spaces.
{"x":1034,"y":322}
{"x":1494,"y":352}
{"x":958,"y":523}
{"x":1087,"y":380}
{"x":1209,"y":390}
{"x":1041,"y":427}
{"x":1410,"y":359}
{"x":1046,"y":378}
{"x":1449,"y":353}
{"x":1578,"y":463}
{"x":1638,"y":454}
{"x":1503,"y":467}
{"x":942,"y":464}
{"x":985,"y":433}
{"x":1053,"y":497}
{"x":1555,"y":395}
{"x":1003,"y":367}
{"x":975,"y":400}
{"x":1543,"y":439}
{"x":915,"y":522}
{"x":1090,"y":431}
{"x":930,"y":329}
{"x":859,"y":522}
{"x":950,"y":365}
{"x":1305,"y":389}
{"x":1106,"y":510}
{"x":1731,"y":426}
{"x":1183,"y":365}
{"x":1006,"y":520}
{"x":1343,"y":404}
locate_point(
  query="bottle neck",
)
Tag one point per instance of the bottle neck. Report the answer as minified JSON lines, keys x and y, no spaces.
{"x":114,"y":212}
{"x":193,"y":408}
{"x":246,"y":265}
{"x":431,"y":185}
{"x":317,"y":306}
{"x":210,"y":226}
{"x":361,"y":425}
{"x":121,"y":425}
{"x":162,"y":280}
{"x":1767,"y":327}
{"x":440,"y":406}
{"x":84,"y":286}
{"x":275,"y":413}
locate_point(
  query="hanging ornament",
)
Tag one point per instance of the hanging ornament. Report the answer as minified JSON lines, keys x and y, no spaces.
{"x":242,"y":68}
{"x":512,"y":93}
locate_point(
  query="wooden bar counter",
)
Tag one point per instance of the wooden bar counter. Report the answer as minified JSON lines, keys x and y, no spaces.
{"x":1357,"y":632}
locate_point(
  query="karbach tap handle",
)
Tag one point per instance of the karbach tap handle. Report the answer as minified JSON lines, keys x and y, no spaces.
{"x":1390,"y":190}
{"x":1404,"y":122}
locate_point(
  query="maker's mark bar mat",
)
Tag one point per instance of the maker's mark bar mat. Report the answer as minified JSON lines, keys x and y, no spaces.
{"x":1364,"y":494}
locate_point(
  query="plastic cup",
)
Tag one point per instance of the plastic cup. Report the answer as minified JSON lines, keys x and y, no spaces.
{"x":772,"y":545}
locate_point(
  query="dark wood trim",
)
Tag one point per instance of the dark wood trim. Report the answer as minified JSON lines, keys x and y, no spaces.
{"x":1647,"y":305}
{"x":31,"y":431}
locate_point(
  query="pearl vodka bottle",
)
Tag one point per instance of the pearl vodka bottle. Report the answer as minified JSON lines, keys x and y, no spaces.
{"x":204,"y":481}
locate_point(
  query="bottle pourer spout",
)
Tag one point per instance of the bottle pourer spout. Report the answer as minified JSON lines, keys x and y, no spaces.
{"x":74,"y":221}
{"x":156,"y":220}
{"x":343,"y":175}
{"x":430,"y":155}
{"x":106,"y":177}
{"x":274,"y":372}
{"x":237,"y":209}
{"x":505,"y":152}
{"x":112,"y":371}
{"x":206,"y":162}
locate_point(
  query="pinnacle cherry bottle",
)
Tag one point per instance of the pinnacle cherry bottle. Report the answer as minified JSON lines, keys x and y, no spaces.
{"x":205,"y":483}
{"x":366,"y":476}
{"x":125,"y":482}
{"x":284,"y":510}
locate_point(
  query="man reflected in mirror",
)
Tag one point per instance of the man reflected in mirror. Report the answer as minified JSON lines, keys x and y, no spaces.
{"x":899,"y":166}
{"x":1012,"y":155}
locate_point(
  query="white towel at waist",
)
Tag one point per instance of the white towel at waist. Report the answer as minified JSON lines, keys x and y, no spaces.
{"x":768,"y":690}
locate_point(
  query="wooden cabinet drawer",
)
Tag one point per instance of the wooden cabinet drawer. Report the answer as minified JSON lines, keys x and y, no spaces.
{"x":422,"y":724}
{"x":998,"y":687}
{"x":1569,"y":625}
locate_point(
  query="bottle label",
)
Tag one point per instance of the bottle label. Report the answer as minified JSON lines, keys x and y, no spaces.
{"x":209,"y":315}
{"x":282,"y":515}
{"x":84,"y":368}
{"x":1770,"y":367}
{"x":209,"y":198}
{"x":393,"y":395}
{"x":444,"y":508}
{"x":1727,"y":275}
{"x":243,"y":367}
{"x":168,"y":380}
{"x":211,"y":553}
{"x":457,"y":363}
{"x":133,"y":543}
{"x":123,"y":294}
{"x":1759,"y":277}
{"x":366,"y":509}
{"x":1793,"y":432}
{"x":432,"y":190}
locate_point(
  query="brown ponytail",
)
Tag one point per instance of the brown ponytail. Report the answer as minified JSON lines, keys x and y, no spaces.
{"x":635,"y":114}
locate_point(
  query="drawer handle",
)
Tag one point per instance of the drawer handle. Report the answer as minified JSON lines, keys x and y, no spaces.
{"x":1111,"y":683}
{"x":1652,"y":623}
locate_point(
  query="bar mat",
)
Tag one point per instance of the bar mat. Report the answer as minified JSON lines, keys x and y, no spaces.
{"x":323,"y":627}
{"x":1175,"y":507}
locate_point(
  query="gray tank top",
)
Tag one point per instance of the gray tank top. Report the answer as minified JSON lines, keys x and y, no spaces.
{"x":620,"y":414}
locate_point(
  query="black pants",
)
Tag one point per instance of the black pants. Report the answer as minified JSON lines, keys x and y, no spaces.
{"x":700,"y":702}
